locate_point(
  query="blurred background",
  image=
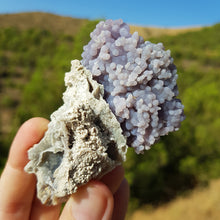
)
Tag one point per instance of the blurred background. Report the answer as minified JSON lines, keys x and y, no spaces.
{"x":179,"y":177}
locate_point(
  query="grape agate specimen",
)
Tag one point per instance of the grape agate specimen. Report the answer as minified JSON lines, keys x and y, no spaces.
{"x":122,"y":93}
{"x":139,"y":79}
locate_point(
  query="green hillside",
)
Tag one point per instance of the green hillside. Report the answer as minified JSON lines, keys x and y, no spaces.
{"x":34,"y":59}
{"x":33,"y":62}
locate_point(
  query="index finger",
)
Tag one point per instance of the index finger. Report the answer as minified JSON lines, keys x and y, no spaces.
{"x":17,"y":188}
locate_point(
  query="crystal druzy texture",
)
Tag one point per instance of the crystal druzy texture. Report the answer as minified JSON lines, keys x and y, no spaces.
{"x":84,"y":140}
{"x":139,"y":80}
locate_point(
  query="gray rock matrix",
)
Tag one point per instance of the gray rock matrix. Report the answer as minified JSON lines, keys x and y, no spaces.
{"x":84,"y":140}
{"x":139,"y":80}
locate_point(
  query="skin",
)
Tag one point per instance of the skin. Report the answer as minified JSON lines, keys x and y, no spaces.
{"x":105,"y":199}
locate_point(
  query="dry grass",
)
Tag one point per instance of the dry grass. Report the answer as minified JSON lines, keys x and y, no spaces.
{"x":147,"y":32}
{"x":46,"y":21}
{"x":202,"y":204}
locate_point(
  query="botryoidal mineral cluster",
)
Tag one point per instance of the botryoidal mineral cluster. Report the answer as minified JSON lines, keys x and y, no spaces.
{"x":122,"y":93}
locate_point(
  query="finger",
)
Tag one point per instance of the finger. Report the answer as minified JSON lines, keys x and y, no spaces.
{"x":30,"y":133}
{"x":121,"y":198}
{"x":114,"y":178}
{"x":93,"y":201}
{"x":43,"y":212}
{"x":17,"y":188}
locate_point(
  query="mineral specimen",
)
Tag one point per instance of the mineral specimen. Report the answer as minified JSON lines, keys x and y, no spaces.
{"x":84,"y":140}
{"x":139,"y":80}
{"x":122,"y":93}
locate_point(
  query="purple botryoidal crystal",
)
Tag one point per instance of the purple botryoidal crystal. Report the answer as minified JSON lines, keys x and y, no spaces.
{"x":139,"y":80}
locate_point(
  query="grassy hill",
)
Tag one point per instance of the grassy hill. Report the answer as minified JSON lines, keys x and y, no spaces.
{"x":35,"y":52}
{"x":70,"y":26}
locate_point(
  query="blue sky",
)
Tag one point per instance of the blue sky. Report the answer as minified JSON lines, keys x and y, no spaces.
{"x":162,"y":13}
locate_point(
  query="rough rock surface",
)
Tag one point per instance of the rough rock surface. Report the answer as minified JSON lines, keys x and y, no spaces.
{"x":139,"y":79}
{"x":84,"y":140}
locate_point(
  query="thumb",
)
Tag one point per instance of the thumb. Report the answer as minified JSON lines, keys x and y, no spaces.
{"x":94,"y":201}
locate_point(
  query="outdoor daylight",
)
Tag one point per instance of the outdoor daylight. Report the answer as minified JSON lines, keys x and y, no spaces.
{"x":109,"y":110}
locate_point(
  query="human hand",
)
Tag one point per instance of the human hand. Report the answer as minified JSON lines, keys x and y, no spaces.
{"x":106,"y":199}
